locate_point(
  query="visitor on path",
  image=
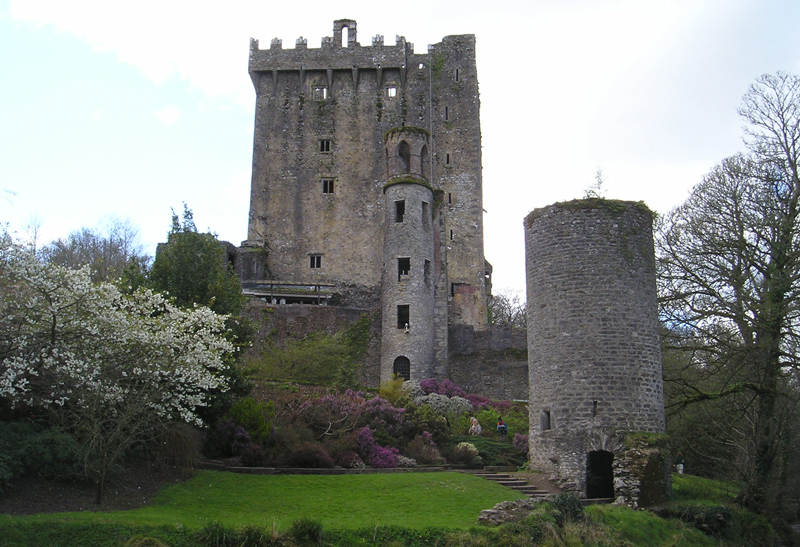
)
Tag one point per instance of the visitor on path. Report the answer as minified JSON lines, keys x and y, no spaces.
{"x":474,"y":426}
{"x":502,"y":428}
{"x":680,"y":462}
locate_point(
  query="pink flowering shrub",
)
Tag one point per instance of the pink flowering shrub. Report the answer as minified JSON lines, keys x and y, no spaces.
{"x":366,"y":444}
{"x":384,"y":457}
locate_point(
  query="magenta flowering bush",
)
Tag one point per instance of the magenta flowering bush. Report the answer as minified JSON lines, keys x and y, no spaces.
{"x":366,"y":444}
{"x":384,"y":457}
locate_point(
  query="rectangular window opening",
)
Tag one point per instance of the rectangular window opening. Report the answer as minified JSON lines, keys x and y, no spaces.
{"x":451,"y":235}
{"x":427,"y":272}
{"x":449,"y":198}
{"x":320,"y":93}
{"x":425,"y":221}
{"x":446,"y":113}
{"x":403,"y":267}
{"x":325,"y":145}
{"x":327,"y":186}
{"x":447,"y":159}
{"x":399,"y":211}
{"x":315,"y":262}
{"x":544,"y":420}
{"x":391,"y":92}
{"x":456,"y":74}
{"x":594,"y":408}
{"x":403,"y":316}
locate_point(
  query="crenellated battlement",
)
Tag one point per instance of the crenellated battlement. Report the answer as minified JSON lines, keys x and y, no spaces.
{"x":332,"y":53}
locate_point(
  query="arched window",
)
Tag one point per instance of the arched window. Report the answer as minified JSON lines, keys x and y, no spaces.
{"x":402,"y":367}
{"x":404,"y":153}
{"x":426,"y":163}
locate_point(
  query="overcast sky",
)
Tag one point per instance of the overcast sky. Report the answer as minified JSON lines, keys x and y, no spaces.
{"x":131,"y":108}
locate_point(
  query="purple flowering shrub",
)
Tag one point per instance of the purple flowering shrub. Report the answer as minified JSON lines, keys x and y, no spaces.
{"x":445,"y":387}
{"x":384,"y":457}
{"x":349,"y":460}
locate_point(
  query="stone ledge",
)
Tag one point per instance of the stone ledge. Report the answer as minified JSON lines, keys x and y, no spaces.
{"x":218,"y":466}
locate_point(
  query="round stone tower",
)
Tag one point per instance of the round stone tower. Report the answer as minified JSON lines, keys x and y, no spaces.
{"x":407,"y":288}
{"x":593,"y":343}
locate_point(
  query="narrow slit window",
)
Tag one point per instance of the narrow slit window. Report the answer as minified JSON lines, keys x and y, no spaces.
{"x":391,"y":92}
{"x":447,"y":159}
{"x":451,"y":235}
{"x":399,"y":211}
{"x":320,"y":93}
{"x":427,"y":272}
{"x":446,"y":113}
{"x":325,"y":145}
{"x":544,"y":420}
{"x":315,"y":262}
{"x":327,"y":186}
{"x":403,"y":267}
{"x":425,"y":221}
{"x":403,"y":316}
{"x":594,"y":408}
{"x":449,"y":198}
{"x":456,"y":74}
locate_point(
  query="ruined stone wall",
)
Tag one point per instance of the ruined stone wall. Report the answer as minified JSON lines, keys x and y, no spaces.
{"x":594,"y":355}
{"x":492,"y":363}
{"x":280,"y":323}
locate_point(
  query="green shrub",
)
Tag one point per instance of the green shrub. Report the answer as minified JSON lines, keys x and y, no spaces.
{"x":568,"y":507}
{"x":465,"y":453}
{"x":255,"y":417}
{"x":392,"y":390}
{"x":254,"y":536}
{"x":216,"y":534}
{"x":306,"y":531}
{"x":493,"y":452}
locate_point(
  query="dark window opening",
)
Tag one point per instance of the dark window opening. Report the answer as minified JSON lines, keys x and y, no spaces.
{"x":403,"y":267}
{"x":402,"y":316}
{"x":456,"y":74}
{"x":399,"y":211}
{"x":594,"y":408}
{"x":320,"y":93}
{"x":449,"y":198}
{"x":599,"y":474}
{"x":404,"y":153}
{"x":425,"y":213}
{"x":315,"y":261}
{"x":447,"y":159}
{"x":402,"y":368}
{"x":327,"y":186}
{"x":325,"y":145}
{"x":427,"y":272}
{"x":451,"y":235}
{"x":446,"y":113}
{"x":544,"y":420}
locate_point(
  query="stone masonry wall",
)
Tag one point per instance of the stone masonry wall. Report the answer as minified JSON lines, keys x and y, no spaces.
{"x":594,"y":354}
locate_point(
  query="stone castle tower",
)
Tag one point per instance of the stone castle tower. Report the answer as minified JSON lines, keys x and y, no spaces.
{"x":366,"y":188}
{"x":593,"y":349}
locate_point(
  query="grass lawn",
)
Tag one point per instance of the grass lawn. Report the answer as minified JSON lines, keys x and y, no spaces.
{"x":411,"y":500}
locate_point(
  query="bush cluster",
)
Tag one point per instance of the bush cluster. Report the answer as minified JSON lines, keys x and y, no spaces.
{"x":304,"y":426}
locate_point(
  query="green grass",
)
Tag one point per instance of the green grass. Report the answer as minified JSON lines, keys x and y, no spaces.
{"x":411,"y":500}
{"x":643,"y":529}
{"x":688,"y":488}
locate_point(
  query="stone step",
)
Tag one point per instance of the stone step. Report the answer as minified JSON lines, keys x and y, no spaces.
{"x":530,"y":490}
{"x":512,"y":483}
{"x":494,"y":476}
{"x":499,"y":468}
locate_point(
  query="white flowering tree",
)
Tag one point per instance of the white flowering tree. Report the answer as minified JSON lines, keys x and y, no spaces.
{"x":109,"y":368}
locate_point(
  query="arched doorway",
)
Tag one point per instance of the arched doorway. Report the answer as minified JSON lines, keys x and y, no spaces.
{"x":402,"y":367}
{"x":599,"y":474}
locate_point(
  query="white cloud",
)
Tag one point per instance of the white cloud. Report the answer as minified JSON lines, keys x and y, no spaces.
{"x":168,"y":116}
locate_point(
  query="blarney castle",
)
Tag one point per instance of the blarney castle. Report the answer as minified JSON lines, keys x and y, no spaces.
{"x":366,"y":197}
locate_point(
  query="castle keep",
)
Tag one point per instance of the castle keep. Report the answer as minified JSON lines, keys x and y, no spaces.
{"x":366,"y":188}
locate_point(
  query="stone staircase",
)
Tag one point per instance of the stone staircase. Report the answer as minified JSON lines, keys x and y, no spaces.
{"x":501,"y":476}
